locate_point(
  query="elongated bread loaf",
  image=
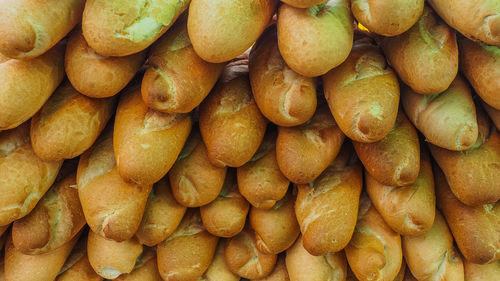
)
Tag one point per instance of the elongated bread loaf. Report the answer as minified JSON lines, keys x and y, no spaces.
{"x":303,"y":3}
{"x":77,"y":267}
{"x":145,"y":269}
{"x":493,"y":113}
{"x":280,"y":273}
{"x":218,"y":270}
{"x":479,"y":272}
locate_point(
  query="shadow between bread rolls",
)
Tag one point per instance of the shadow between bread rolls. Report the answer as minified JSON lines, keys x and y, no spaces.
{"x":218,"y":270}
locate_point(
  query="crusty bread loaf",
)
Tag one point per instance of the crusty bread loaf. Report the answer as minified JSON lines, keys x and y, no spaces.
{"x":410,"y":209}
{"x":68,"y":123}
{"x":478,"y":20}
{"x":374,"y":252}
{"x":302,"y":266}
{"x":399,"y":277}
{"x":303,"y":3}
{"x":109,"y":258}
{"x":363,"y":94}
{"x":327,"y":208}
{"x":279,"y":273}
{"x":222,"y":30}
{"x":260,"y":180}
{"x":231,"y":124}
{"x":426,"y":56}
{"x":112,"y":207}
{"x":448,"y":119}
{"x":145,"y":269}
{"x":395,"y":159}
{"x":305,"y":151}
{"x":226,"y":215}
{"x":188,"y":252}
{"x":480,"y":272}
{"x":431,"y":255}
{"x":480,"y":64}
{"x":162,"y":215}
{"x":27,"y":84}
{"x":218,"y":270}
{"x":94,"y":75}
{"x":493,"y":113}
{"x":125,"y":27}
{"x":475,"y":229}
{"x":314,"y":40}
{"x":177,"y":79}
{"x":194,"y":180}
{"x":284,"y":97}
{"x":77,"y":266}
{"x":388,"y":17}
{"x":29,"y":28}
{"x":24,"y":177}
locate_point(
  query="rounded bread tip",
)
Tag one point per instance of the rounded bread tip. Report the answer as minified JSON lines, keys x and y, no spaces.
{"x":466,"y":137}
{"x":18,"y":40}
{"x":493,"y":25}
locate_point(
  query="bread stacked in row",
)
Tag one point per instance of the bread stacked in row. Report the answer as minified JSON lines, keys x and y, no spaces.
{"x":264,"y":140}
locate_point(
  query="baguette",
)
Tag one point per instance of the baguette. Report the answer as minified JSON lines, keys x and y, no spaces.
{"x":68,"y":123}
{"x":195,"y":181}
{"x":431,"y":256}
{"x":399,"y":277}
{"x":122,"y":28}
{"x":279,"y":273}
{"x":145,"y":269}
{"x":77,"y":266}
{"x":395,"y":159}
{"x":374,"y":252}
{"x":226,"y":215}
{"x":315,"y":53}
{"x":448,"y":119}
{"x":29,"y":28}
{"x":480,"y":64}
{"x":162,"y":215}
{"x":188,"y":252}
{"x":283,"y":96}
{"x":426,"y":56}
{"x":302,"y":266}
{"x":478,"y":272}
{"x":408,"y":210}
{"x":303,"y":3}
{"x":98,"y":76}
{"x":493,"y":113}
{"x":27,"y":84}
{"x":477,"y":20}
{"x":476,"y":229}
{"x":24,"y":177}
{"x":231,"y":124}
{"x":389,"y":17}
{"x":221,"y":30}
{"x":326,"y":209}
{"x":109,"y":258}
{"x":260,"y":180}
{"x":305,"y":151}
{"x":363,"y":94}
{"x":218,"y":270}
{"x":177,"y":79}
{"x":112,"y":207}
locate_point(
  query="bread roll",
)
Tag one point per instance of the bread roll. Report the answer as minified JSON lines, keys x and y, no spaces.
{"x":276,"y":229}
{"x":448,"y":119}
{"x":399,"y":277}
{"x":177,"y":79}
{"x":218,"y":270}
{"x":29,"y":28}
{"x":162,"y":215}
{"x":303,"y":3}
{"x":314,"y":40}
{"x":480,"y":64}
{"x":188,"y":252}
{"x":195,"y":181}
{"x":279,"y":273}
{"x":326,"y":209}
{"x":478,"y":272}
{"x":24,"y":177}
{"x":231,"y":124}
{"x":475,"y":229}
{"x":68,"y":123}
{"x":222,"y":30}
{"x":305,"y":151}
{"x":374,"y":252}
{"x":302,"y":266}
{"x":426,"y":56}
{"x":260,"y":180}
{"x":27,"y":84}
{"x":226,"y":215}
{"x":125,"y":27}
{"x":43,"y":267}
{"x":389,"y":17}
{"x":395,"y":159}
{"x":94,"y":75}
{"x":109,"y":258}
{"x":410,"y":209}
{"x":284,"y":97}
{"x":112,"y":207}
{"x":431,"y":256}
{"x":77,"y":266}
{"x":245,"y":259}
{"x":145,"y":268}
{"x":493,"y":113}
{"x":477,"y":20}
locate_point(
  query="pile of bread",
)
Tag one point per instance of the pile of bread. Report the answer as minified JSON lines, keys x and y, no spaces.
{"x":225,"y":140}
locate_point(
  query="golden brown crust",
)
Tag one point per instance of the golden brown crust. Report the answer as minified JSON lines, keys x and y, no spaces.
{"x":80,"y":271}
{"x":303,"y":3}
{"x":493,"y":113}
{"x":478,"y":272}
{"x":279,"y":273}
{"x":145,"y":269}
{"x":218,"y":270}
